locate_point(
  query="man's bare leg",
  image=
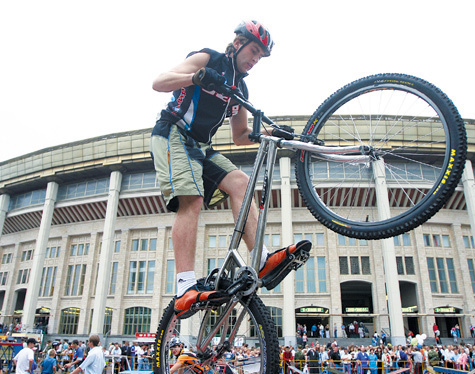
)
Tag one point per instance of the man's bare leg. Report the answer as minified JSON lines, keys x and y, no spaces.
{"x":184,"y":232}
{"x":235,"y":184}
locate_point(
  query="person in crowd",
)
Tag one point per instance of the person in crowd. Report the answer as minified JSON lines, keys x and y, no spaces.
{"x":94,"y":363}
{"x":25,"y":358}
{"x":49,"y":365}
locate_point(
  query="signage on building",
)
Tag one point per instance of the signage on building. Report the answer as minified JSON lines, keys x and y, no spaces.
{"x":445,"y":309}
{"x":314,"y":309}
{"x":409,"y":309}
{"x":360,"y":309}
{"x":145,"y":335}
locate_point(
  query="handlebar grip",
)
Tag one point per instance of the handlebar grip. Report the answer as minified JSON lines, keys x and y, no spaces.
{"x":198,"y":76}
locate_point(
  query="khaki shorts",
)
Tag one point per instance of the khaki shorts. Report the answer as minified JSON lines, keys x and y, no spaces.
{"x":186,"y":167}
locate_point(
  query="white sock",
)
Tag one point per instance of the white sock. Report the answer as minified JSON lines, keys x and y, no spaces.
{"x":264,"y":254}
{"x":184,"y":280}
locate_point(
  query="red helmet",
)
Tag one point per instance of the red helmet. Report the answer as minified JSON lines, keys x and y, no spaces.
{"x":255,"y":31}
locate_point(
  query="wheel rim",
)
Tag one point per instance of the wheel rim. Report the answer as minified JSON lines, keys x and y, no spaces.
{"x":414,"y":166}
{"x":247,"y":330}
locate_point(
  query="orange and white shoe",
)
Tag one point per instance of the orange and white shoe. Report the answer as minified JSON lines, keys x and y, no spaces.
{"x":199,"y":293}
{"x":283,"y":261}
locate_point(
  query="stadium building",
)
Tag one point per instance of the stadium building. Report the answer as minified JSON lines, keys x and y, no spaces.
{"x":84,"y":226}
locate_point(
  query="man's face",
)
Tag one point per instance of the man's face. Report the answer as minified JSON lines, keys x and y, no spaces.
{"x":248,"y":56}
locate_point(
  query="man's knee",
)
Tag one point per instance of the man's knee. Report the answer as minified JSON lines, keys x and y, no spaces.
{"x":190,"y":203}
{"x":235,"y":182}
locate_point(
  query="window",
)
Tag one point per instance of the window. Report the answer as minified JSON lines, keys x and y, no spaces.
{"x":27,"y":255}
{"x":354,"y":265}
{"x":409,"y":260}
{"x":322,"y":274}
{"x":451,"y":272}
{"x":472,"y":273}
{"x":136,"y":319}
{"x":341,"y":239}
{"x":170,"y":244}
{"x":399,"y":265}
{"x":152,"y":245}
{"x":23,"y":276}
{"x":406,"y":239}
{"x":135,"y":245}
{"x":432,"y":275}
{"x":117,"y":246}
{"x":344,"y":265}
{"x":107,"y":320}
{"x":436,"y":241}
{"x":442,"y":275}
{"x":7,"y":258}
{"x":365,"y":265}
{"x":445,"y":241}
{"x":170,"y":281}
{"x":446,"y":278}
{"x":48,"y":277}
{"x":3,"y":278}
{"x":276,"y":315}
{"x":319,"y":239}
{"x":113,"y":282}
{"x":68,"y":322}
{"x":81,"y":249}
{"x":396,"y":241}
{"x":468,"y":242}
{"x":75,"y":280}
{"x":141,"y":275}
{"x":427,"y":241}
{"x":222,"y":241}
{"x":214,"y":263}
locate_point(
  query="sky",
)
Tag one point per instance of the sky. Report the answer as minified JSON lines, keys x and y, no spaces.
{"x":72,"y":70}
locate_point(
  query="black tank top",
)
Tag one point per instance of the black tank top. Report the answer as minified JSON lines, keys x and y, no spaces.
{"x":200,"y":112}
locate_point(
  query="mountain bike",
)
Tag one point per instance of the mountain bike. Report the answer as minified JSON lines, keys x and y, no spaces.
{"x":378,"y":158}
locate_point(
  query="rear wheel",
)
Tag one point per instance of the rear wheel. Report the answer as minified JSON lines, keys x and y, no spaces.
{"x":414,"y":132}
{"x":248,"y":321}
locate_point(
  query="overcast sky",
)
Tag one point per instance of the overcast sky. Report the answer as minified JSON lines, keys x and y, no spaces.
{"x":71,"y":70}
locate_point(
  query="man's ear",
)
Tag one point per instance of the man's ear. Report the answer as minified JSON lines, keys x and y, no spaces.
{"x":237,"y":44}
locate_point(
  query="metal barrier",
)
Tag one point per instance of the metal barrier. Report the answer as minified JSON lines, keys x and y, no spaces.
{"x":7,"y":352}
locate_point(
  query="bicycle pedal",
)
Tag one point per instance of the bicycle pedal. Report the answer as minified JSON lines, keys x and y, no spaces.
{"x":294,"y":261}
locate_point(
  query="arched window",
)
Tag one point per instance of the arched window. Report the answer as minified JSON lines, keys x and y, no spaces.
{"x":137,"y":319}
{"x":68,"y":322}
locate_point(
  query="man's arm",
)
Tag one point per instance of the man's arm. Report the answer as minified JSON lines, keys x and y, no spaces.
{"x":182,"y":74}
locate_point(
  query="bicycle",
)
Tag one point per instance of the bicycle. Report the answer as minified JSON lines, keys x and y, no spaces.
{"x":387,"y":143}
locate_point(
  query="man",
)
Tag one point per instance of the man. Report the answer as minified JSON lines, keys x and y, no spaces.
{"x":78,"y":355}
{"x":116,"y":351}
{"x":185,"y":360}
{"x":190,"y":172}
{"x":25,"y":358}
{"x":334,"y":356}
{"x":362,"y":359}
{"x":299,"y":358}
{"x":312,"y":358}
{"x":287,"y":359}
{"x":94,"y":362}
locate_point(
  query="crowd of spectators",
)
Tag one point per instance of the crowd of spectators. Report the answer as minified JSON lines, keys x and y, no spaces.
{"x":379,"y":359}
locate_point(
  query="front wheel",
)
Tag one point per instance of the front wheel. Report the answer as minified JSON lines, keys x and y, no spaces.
{"x":417,"y":146}
{"x":247,"y":321}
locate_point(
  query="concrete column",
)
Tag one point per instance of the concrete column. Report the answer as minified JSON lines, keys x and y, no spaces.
{"x":4,"y":201}
{"x":288,"y":284}
{"x":103,"y":276}
{"x":468,"y":182}
{"x":389,"y":258}
{"x":31,"y":297}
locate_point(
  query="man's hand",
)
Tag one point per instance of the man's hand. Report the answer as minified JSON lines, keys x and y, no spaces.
{"x":208,"y":78}
{"x":283,"y":131}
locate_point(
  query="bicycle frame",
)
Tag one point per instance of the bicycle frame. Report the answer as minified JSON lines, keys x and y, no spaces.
{"x":233,"y":262}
